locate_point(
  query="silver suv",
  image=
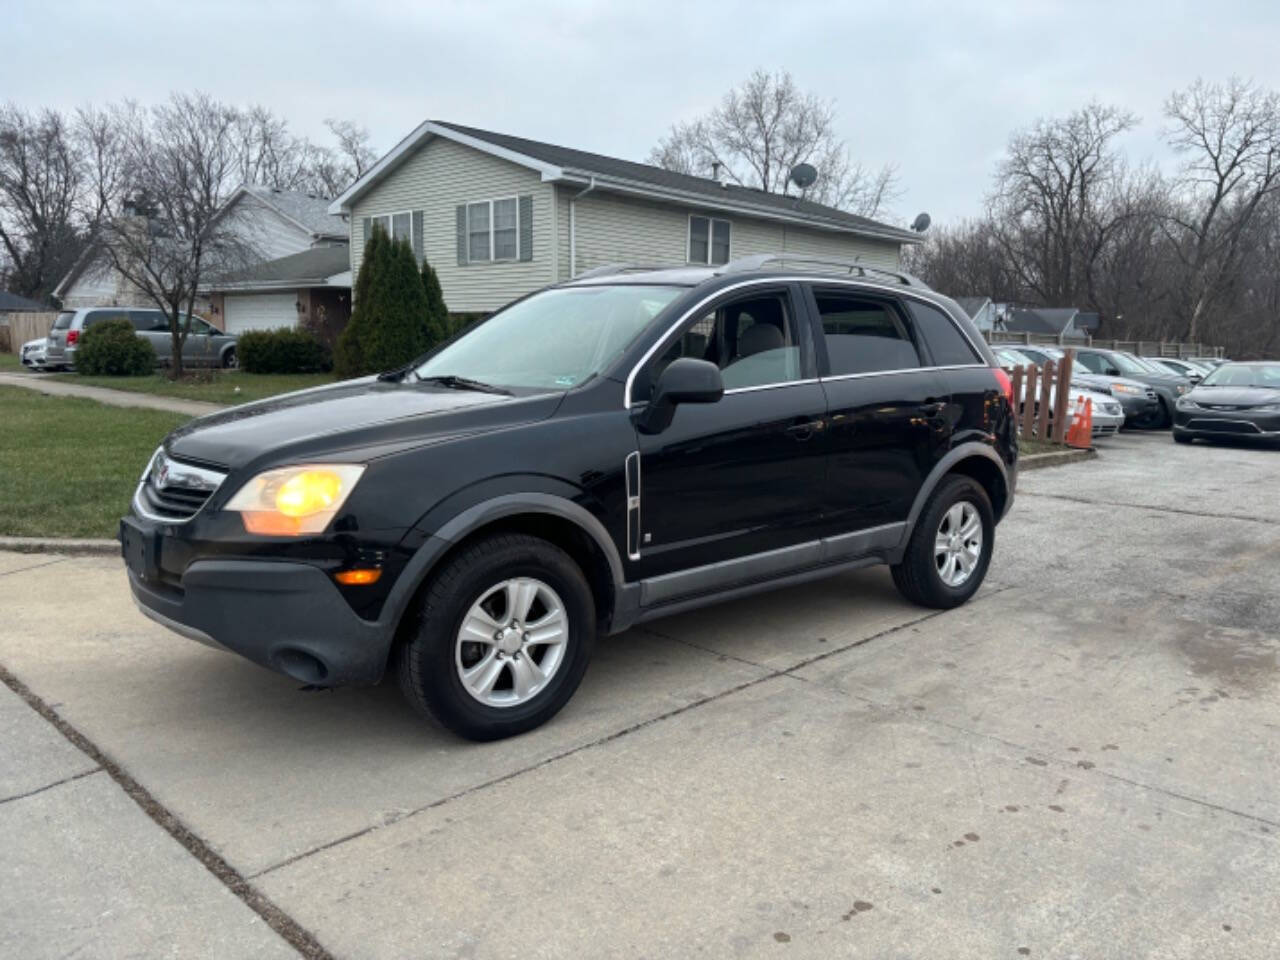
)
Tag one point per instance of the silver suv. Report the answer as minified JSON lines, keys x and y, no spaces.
{"x":206,"y":345}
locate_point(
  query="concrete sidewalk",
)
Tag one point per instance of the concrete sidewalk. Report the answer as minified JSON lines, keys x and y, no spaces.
{"x":116,"y":398}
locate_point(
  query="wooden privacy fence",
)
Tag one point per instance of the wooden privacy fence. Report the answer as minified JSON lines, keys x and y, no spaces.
{"x":1045,"y":396}
{"x":27,"y":326}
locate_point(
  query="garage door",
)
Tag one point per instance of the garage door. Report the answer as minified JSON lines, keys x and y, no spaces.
{"x":260,"y":311}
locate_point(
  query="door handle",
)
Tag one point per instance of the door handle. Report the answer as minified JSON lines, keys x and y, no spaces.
{"x":805,"y":430}
{"x":932,"y":407}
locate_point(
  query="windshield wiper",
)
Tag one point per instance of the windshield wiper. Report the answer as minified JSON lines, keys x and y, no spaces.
{"x":466,"y":383}
{"x":398,"y":373}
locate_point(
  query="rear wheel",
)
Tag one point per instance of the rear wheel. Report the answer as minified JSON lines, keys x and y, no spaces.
{"x":947,"y":557}
{"x":229,"y":360}
{"x":503,"y":637}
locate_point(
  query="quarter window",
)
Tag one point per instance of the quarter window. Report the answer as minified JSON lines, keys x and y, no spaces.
{"x":864,"y":336}
{"x":947,"y":346}
{"x":709,"y":241}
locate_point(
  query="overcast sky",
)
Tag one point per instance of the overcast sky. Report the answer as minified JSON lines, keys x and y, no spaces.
{"x":934,"y":88}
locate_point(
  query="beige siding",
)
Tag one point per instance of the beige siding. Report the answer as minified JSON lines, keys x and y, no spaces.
{"x":267,"y":234}
{"x":613,"y":228}
{"x":435,"y":179}
{"x":99,"y":285}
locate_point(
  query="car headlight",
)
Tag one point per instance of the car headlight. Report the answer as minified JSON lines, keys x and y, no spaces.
{"x":1186,"y":403}
{"x":1182,"y":388}
{"x":1126,"y":389}
{"x":293,"y":501}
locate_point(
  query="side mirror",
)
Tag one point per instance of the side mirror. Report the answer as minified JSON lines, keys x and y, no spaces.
{"x":685,"y":380}
{"x":1113,"y":372}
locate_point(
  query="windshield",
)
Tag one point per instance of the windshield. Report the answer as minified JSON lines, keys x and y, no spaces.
{"x":557,"y":338}
{"x":1240,"y":375}
{"x":64,"y":320}
{"x":1012,"y":358}
{"x":1128,"y":364}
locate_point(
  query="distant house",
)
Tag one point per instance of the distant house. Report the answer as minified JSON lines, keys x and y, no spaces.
{"x":980,"y":310}
{"x":1064,"y":323}
{"x":499,"y":216}
{"x":312,"y":288}
{"x":302,"y":272}
{"x":12,"y":303}
{"x":270,"y":224}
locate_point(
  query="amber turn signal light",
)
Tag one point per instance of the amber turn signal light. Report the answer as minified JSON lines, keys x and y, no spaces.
{"x":357,"y":578}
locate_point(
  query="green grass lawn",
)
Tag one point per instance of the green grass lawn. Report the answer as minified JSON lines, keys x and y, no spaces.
{"x":68,"y":466}
{"x":214,"y":386}
{"x":10,"y":361}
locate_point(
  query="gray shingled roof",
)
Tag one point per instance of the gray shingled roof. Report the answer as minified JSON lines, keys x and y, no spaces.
{"x":12,"y":303}
{"x":310,"y":267}
{"x":643,"y":172}
{"x":307,"y":209}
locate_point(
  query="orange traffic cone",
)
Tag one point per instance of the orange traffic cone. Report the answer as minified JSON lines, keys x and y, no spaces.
{"x":1080,"y":434}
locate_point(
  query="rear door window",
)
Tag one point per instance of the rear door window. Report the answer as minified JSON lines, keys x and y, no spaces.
{"x":145,"y":321}
{"x":864,"y":335}
{"x":946,"y":344}
{"x":95,"y":317}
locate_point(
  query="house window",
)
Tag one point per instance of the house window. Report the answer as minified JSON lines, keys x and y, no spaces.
{"x":505,"y":235}
{"x":493,"y":230}
{"x":398,"y":226}
{"x":708,"y":241}
{"x":478,"y":232}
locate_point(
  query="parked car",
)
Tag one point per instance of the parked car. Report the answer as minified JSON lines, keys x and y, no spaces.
{"x":605,"y":451}
{"x":1139,"y":402}
{"x":34,"y":353}
{"x":1114,"y":363}
{"x":1105,"y":410}
{"x":1183,"y":368}
{"x":1238,"y":400}
{"x":1211,"y":362}
{"x":205,"y":346}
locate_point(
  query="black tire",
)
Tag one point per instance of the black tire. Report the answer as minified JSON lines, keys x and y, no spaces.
{"x":1182,"y":437}
{"x":229,"y":360}
{"x":425,"y":661}
{"x":917,"y":577}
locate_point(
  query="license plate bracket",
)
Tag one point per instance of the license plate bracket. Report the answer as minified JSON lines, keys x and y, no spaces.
{"x":140,"y":549}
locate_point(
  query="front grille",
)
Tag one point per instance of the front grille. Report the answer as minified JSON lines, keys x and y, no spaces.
{"x":173,"y":491}
{"x":1223,"y":426}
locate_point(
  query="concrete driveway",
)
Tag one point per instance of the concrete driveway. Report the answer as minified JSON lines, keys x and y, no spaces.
{"x":1081,"y":762}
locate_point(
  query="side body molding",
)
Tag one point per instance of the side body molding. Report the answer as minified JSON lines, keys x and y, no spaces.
{"x":943,"y":466}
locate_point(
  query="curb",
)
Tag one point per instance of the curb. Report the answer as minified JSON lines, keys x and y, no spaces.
{"x":60,"y":545}
{"x":1038,"y":461}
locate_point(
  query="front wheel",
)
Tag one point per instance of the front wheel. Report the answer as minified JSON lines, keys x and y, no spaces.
{"x":503,"y":638}
{"x":947,"y":557}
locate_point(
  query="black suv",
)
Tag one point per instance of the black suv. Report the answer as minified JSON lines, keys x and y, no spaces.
{"x":620,"y":447}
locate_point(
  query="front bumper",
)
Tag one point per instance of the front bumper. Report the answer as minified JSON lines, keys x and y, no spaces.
{"x":1239,"y":424}
{"x":288,"y":617}
{"x":1137,"y":406}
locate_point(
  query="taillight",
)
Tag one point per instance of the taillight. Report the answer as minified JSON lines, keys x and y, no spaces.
{"x":1006,"y":385}
{"x":72,"y":337}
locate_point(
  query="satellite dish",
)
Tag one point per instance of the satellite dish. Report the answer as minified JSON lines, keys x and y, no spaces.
{"x":921,"y":223}
{"x":803,"y":175}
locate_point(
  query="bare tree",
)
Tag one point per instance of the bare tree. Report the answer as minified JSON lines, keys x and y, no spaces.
{"x":40,"y":184}
{"x":1053,"y":210}
{"x":184,"y":160}
{"x":102,"y":153}
{"x":1230,"y":136}
{"x":339,"y":167}
{"x":761,"y":130}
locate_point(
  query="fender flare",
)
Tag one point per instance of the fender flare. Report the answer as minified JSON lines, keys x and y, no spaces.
{"x":478,"y":515}
{"x":963,"y":452}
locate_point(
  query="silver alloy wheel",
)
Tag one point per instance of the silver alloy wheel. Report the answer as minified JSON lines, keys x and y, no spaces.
{"x":957,"y":548}
{"x":512,"y":642}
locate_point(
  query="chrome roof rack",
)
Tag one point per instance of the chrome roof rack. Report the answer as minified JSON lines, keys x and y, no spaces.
{"x":758,"y":261}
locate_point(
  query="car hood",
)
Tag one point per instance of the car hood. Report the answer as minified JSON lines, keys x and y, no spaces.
{"x":365,"y":415}
{"x":1100,"y":381}
{"x":1234,"y":396}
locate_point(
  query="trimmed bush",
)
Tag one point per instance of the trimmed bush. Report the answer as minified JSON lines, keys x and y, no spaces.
{"x":281,"y":351}
{"x":437,"y":312}
{"x":114,"y":349}
{"x":391,"y":322}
